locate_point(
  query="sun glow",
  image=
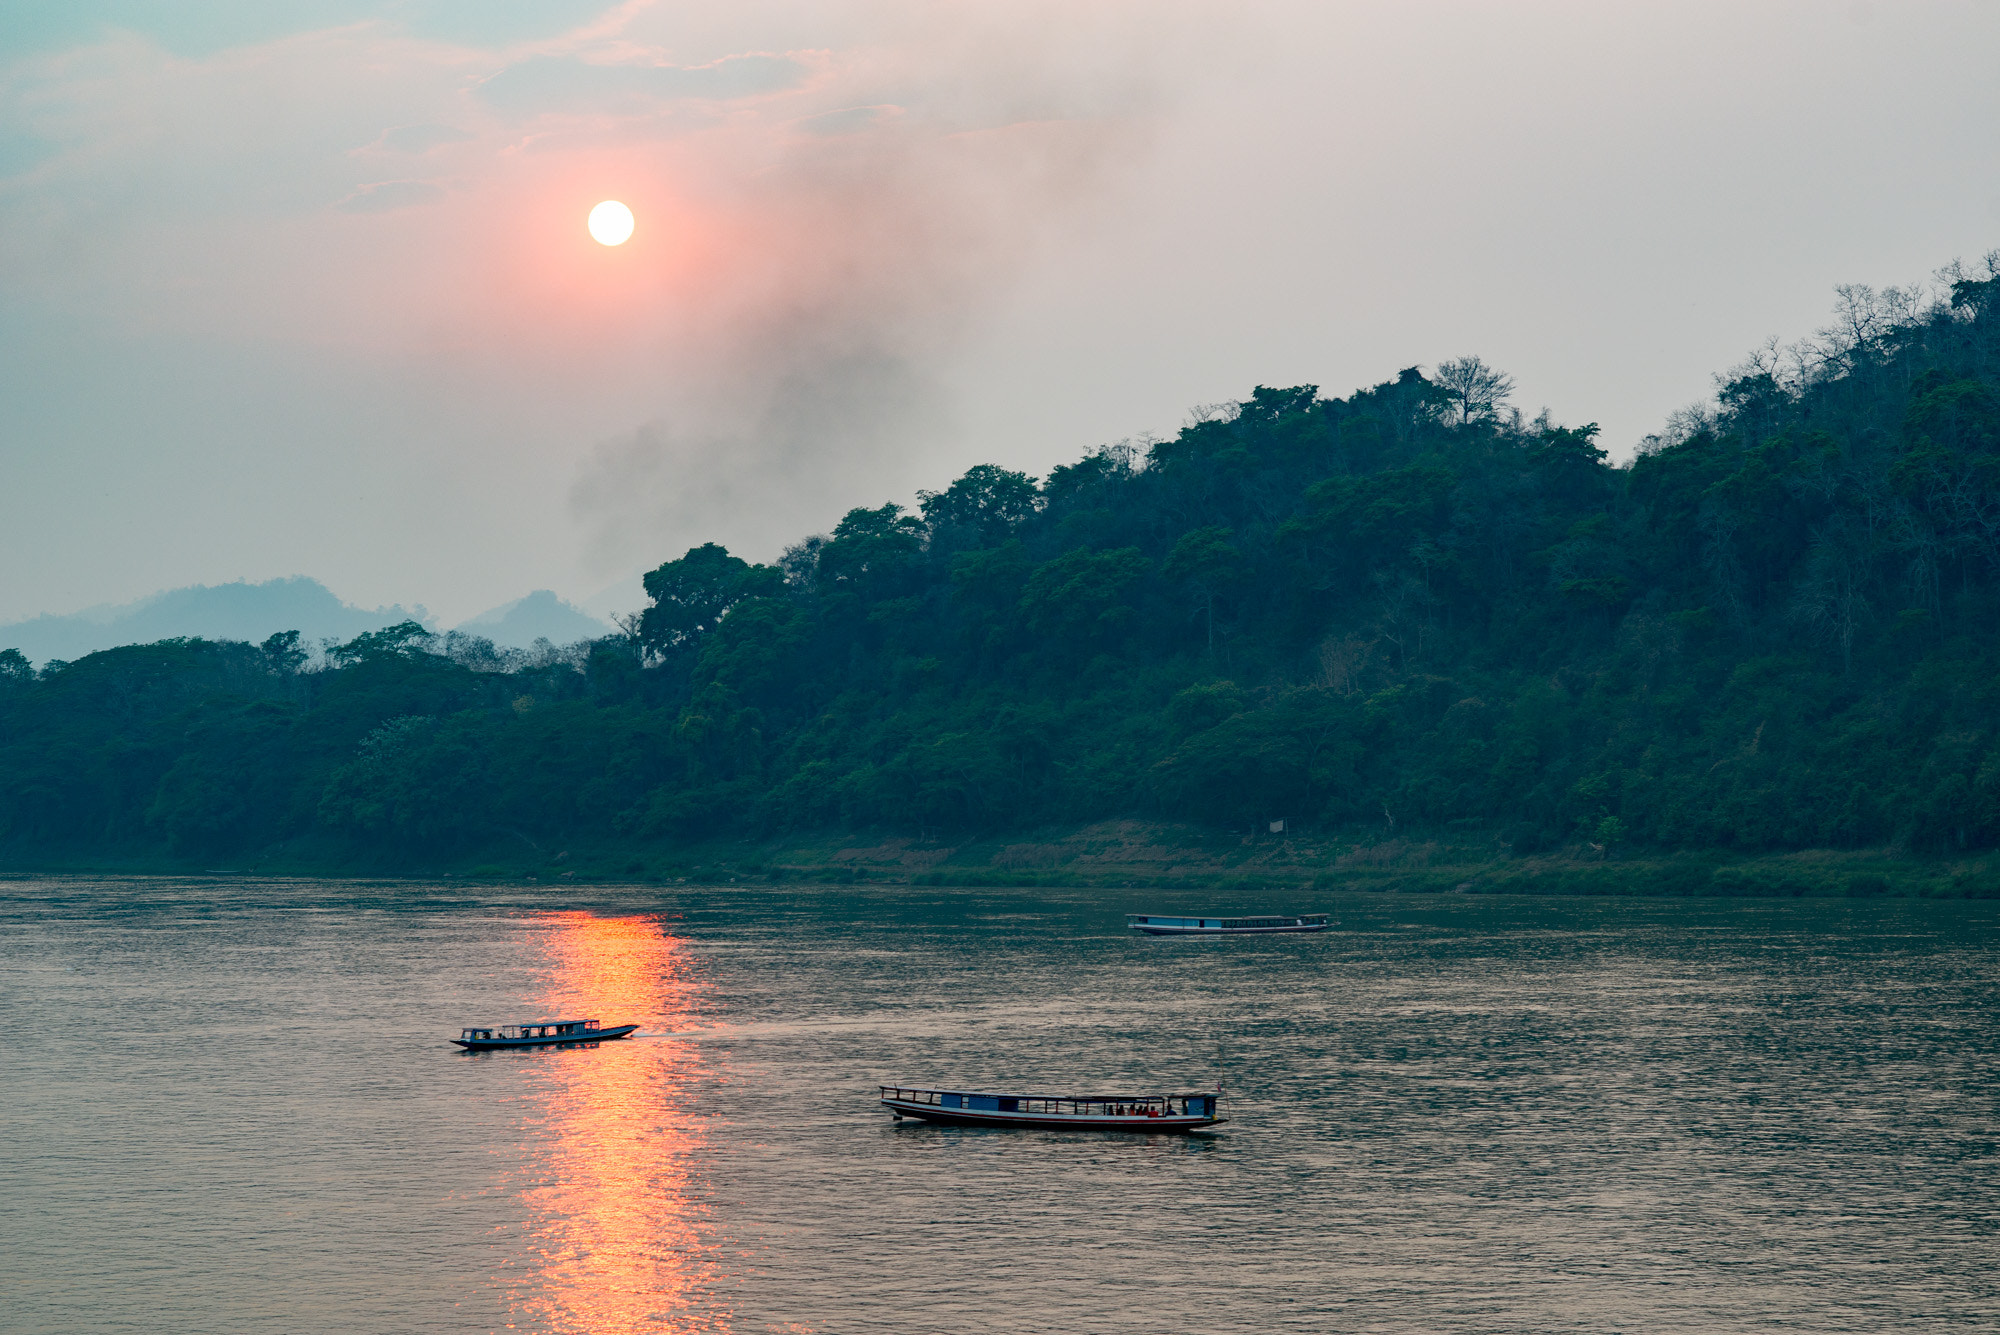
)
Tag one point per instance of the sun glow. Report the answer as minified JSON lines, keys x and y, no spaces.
{"x":611,"y":223}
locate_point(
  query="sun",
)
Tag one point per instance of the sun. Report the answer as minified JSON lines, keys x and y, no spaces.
{"x":611,"y":223}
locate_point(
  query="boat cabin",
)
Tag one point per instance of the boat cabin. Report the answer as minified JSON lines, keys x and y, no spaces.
{"x":544,"y":1029}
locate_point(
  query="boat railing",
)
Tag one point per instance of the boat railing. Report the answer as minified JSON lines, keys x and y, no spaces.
{"x":1082,"y":1106}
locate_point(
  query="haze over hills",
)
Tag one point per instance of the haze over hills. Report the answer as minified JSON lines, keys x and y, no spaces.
{"x":236,"y":611}
{"x":251,"y":612}
{"x":539,"y":616}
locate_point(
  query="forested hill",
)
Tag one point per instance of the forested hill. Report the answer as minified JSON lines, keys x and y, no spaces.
{"x":1407,"y":609}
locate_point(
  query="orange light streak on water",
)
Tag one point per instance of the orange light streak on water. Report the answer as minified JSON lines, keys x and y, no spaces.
{"x":618,"y":1230}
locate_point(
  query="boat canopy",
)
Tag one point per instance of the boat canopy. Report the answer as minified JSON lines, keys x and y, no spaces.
{"x":534,"y":1029}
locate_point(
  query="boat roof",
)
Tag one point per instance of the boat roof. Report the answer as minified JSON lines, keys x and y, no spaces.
{"x":1127,"y":1096}
{"x":528,"y":1024}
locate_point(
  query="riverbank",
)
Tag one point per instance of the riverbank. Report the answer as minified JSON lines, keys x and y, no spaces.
{"x":1163,"y":857}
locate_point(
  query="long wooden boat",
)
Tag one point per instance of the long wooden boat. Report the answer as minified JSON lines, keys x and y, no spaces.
{"x":1159,"y":924}
{"x":1073,"y":1112}
{"x":539,"y":1034}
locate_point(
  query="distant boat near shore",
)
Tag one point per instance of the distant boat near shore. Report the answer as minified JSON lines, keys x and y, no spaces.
{"x":541,"y":1033}
{"x":1068,"y":1112}
{"x":1155,"y":924}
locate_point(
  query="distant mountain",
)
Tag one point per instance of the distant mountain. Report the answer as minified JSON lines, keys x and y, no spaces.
{"x":539,"y":616}
{"x":239,"y":611}
{"x":627,"y":595}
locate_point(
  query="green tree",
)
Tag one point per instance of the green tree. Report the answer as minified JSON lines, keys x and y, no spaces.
{"x":691,"y":596}
{"x":283,"y":653}
{"x":1082,"y":597}
{"x":1205,"y":563}
{"x":986,"y":502}
{"x":404,"y":640}
{"x":873,"y":553}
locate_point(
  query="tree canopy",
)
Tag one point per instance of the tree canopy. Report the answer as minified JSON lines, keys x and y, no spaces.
{"x":1775,"y":628}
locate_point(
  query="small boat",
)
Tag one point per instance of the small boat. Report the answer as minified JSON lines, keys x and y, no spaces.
{"x":1071,"y":1112}
{"x":1154,"y":924}
{"x":539,"y":1034}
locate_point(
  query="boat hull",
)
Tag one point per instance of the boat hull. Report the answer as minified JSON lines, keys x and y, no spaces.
{"x":588,"y":1036}
{"x":1150,"y":930}
{"x":1167,"y":1124}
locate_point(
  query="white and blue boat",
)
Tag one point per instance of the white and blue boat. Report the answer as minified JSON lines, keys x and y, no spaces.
{"x":1064,"y":1112}
{"x":541,"y":1033}
{"x":1163,"y":924}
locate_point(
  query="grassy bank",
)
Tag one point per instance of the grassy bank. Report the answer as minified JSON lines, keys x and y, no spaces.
{"x":1161,"y":857}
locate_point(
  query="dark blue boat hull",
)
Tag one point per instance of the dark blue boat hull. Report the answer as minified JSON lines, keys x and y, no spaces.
{"x":1152,"y":1126}
{"x":586,"y":1036}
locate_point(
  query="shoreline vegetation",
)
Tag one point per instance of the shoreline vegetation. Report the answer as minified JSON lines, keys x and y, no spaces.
{"x":1407,"y":640}
{"x":1141,"y":856}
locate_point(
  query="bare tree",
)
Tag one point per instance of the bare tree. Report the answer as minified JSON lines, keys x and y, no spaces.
{"x":1406,"y":614}
{"x":1476,"y":389}
{"x":1831,"y":600}
{"x":1341,"y":663}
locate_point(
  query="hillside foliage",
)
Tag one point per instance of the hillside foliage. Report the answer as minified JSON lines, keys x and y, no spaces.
{"x":1404,"y":609}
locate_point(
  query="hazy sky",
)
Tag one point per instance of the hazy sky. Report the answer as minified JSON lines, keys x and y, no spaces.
{"x":305,"y":288}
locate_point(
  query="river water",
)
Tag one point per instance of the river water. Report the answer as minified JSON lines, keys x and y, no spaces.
{"x":228,"y":1106}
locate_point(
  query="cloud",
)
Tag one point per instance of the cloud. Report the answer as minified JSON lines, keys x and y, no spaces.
{"x":382,"y":196}
{"x":568,"y":84}
{"x":848,"y":120}
{"x":828,"y":204}
{"x":830,"y":420}
{"x":414,"y":140}
{"x":810,"y":377}
{"x":844,"y":273}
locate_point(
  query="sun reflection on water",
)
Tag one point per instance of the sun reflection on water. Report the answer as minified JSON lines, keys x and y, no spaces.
{"x":617,"y":1234}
